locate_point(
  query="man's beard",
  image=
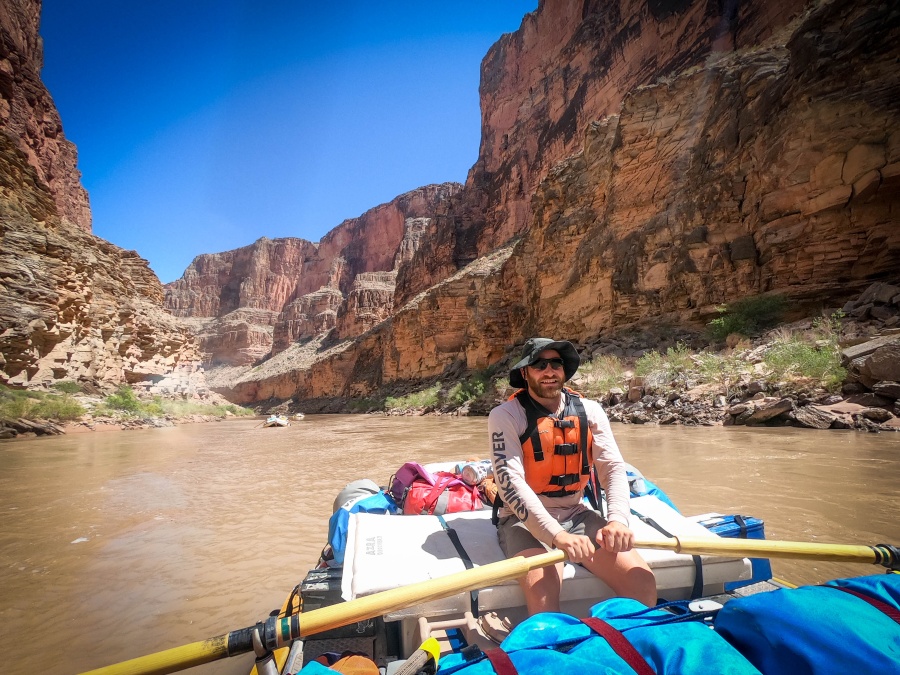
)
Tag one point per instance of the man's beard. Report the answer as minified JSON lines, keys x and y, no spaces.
{"x":542,"y":390}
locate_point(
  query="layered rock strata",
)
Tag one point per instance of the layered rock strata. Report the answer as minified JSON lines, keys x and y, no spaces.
{"x":345,"y":281}
{"x":72,"y":306}
{"x":29,"y":117}
{"x":770,"y":170}
{"x":571,"y":63}
{"x":459,"y":324}
{"x":240,"y":337}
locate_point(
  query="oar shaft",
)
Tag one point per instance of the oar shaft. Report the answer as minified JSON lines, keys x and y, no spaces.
{"x":763,"y":548}
{"x":279,"y":632}
{"x":370,"y":606}
{"x":170,"y":660}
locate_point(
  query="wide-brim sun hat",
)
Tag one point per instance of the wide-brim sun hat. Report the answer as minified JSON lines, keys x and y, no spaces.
{"x":533,"y":347}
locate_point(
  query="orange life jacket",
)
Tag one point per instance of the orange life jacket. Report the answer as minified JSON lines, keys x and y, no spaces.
{"x":557,"y":451}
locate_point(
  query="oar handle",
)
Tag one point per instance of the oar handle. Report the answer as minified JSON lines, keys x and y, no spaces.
{"x":882,"y":554}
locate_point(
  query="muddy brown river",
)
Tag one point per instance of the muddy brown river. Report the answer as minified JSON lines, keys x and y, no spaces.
{"x":115,"y":545}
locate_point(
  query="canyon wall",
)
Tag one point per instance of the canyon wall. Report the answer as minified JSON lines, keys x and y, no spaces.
{"x":773,"y":168}
{"x":572,"y":62}
{"x":264,"y":297}
{"x":75,"y":307}
{"x":72,"y":306}
{"x":770,"y":170}
{"x":29,"y":117}
{"x":641,"y":162}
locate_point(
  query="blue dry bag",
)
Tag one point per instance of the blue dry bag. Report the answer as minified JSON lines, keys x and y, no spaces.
{"x":819,"y":629}
{"x":663,"y":642}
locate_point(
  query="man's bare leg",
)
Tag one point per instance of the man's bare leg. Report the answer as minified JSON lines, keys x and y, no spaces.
{"x":626,"y":573}
{"x":541,"y":586}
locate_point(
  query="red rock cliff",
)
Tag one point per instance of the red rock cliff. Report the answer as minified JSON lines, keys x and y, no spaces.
{"x":770,"y":170}
{"x":72,"y":306}
{"x":28,"y":115}
{"x":569,"y":63}
{"x":299,"y":288}
{"x":773,"y":168}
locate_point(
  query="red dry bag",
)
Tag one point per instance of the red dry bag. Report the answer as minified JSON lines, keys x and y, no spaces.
{"x":448,"y":494}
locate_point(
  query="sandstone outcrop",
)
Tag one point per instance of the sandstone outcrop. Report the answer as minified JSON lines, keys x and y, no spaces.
{"x":72,"y":306}
{"x":345,"y":281}
{"x":459,"y":324}
{"x":732,"y":180}
{"x":571,"y":63}
{"x":29,"y":117}
{"x":240,"y":337}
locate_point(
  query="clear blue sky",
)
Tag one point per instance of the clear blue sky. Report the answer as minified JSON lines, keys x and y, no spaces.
{"x":202,"y":126}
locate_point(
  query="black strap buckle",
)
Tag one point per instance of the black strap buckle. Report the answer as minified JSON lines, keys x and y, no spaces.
{"x":565,"y":479}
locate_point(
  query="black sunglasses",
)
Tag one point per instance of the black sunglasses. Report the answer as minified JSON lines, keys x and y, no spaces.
{"x":540,"y":364}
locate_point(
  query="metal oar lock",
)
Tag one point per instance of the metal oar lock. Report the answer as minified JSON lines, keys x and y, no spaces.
{"x":264,"y":642}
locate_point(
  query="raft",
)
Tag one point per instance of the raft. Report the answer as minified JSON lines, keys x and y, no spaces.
{"x":386,"y":552}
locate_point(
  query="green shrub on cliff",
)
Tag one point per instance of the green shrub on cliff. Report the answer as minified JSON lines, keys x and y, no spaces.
{"x":600,"y":374}
{"x":124,"y":399}
{"x":724,"y":370}
{"x":796,"y":358}
{"x":468,"y":389}
{"x":661,"y":369}
{"x":67,"y":387}
{"x":426,"y":398}
{"x":748,"y":316}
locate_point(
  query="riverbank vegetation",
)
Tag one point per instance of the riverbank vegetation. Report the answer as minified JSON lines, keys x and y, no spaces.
{"x":748,"y":367}
{"x":798,"y":359}
{"x":789,"y":360}
{"x":124,"y":402}
{"x":58,"y":405}
{"x":36,"y":411}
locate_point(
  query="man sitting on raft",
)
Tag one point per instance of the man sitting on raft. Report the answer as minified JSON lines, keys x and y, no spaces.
{"x":543,"y":443}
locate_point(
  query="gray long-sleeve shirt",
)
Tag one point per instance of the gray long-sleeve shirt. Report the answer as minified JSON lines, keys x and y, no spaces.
{"x":542,"y":514}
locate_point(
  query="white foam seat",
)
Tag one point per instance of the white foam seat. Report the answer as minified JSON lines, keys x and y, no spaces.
{"x":385,"y":552}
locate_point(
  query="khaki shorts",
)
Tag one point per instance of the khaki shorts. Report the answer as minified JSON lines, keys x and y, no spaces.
{"x":514,"y":537}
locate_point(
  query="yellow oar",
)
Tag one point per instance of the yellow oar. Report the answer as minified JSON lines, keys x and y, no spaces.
{"x":882,"y":554}
{"x":276,"y":632}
